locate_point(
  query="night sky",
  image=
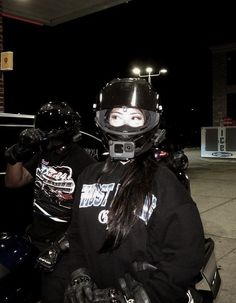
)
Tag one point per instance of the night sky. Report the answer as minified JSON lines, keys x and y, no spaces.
{"x":72,"y":61}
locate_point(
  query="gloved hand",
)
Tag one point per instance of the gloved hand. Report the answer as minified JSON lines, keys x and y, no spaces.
{"x":81,"y":288}
{"x":108,"y":295}
{"x":47,"y":259}
{"x":28,"y":143}
{"x":133,"y":290}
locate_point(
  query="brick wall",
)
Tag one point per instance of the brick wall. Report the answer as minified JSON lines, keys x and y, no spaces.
{"x":219,"y":87}
{"x":219,"y":79}
{"x":1,"y":73}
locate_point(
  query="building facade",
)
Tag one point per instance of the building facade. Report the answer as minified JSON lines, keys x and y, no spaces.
{"x":224,"y":84}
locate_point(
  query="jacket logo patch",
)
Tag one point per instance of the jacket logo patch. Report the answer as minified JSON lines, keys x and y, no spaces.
{"x":95,"y":194}
{"x":103,"y":216}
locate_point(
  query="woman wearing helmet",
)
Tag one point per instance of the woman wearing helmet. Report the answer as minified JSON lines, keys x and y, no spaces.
{"x":135,"y":234}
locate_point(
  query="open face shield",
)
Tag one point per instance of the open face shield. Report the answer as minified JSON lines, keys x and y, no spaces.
{"x":126,"y":126}
{"x":129,"y":92}
{"x":123,"y":116}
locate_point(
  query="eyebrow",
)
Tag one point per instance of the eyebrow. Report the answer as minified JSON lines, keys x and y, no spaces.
{"x":131,"y":113}
{"x":115,"y":112}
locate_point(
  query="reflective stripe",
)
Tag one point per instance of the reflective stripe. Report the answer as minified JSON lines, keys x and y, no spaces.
{"x":48,"y":215}
{"x":190,"y":298}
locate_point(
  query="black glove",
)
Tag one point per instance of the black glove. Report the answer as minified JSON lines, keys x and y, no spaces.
{"x":28,"y":143}
{"x":133,"y":290}
{"x":108,"y":295}
{"x":81,"y":288}
{"x":47,"y":259}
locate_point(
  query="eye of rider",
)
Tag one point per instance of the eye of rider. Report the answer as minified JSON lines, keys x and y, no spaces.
{"x":132,"y":117}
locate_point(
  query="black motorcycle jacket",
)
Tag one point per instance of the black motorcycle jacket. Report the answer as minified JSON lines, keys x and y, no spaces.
{"x":168,"y":235}
{"x":55,"y":179}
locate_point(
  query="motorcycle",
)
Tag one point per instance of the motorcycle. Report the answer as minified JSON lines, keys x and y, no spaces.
{"x":19,"y":283}
{"x":18,"y":278}
{"x":173,"y":157}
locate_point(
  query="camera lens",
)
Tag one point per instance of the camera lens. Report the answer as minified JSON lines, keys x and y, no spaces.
{"x":128,"y":147}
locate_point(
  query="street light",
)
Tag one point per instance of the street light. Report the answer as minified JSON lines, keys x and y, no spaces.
{"x":149,"y":71}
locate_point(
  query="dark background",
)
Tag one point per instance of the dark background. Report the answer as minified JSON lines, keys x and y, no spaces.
{"x":72,"y":61}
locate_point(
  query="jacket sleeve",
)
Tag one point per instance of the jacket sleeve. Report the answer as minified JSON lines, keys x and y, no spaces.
{"x":32,"y":164}
{"x":76,"y":251}
{"x":74,"y":257}
{"x":175,"y":246}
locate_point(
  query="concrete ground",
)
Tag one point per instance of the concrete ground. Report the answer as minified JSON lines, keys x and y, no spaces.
{"x":213,"y":188}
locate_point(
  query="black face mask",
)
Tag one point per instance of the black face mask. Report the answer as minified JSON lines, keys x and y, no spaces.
{"x":54,"y":143}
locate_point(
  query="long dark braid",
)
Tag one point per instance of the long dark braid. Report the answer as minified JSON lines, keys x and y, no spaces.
{"x":128,"y":202}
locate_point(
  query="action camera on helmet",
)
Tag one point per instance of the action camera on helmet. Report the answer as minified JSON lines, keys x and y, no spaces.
{"x":121,"y":150}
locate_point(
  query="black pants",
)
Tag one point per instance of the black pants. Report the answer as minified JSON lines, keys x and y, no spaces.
{"x":52,"y":288}
{"x":53,"y":284}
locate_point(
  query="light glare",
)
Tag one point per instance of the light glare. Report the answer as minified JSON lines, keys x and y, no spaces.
{"x":149,"y":69}
{"x":136,"y":71}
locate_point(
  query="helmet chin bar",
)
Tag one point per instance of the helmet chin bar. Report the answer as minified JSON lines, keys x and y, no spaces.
{"x":121,"y":150}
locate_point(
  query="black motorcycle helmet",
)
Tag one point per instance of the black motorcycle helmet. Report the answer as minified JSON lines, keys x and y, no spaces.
{"x":127,"y":142}
{"x":58,"y":120}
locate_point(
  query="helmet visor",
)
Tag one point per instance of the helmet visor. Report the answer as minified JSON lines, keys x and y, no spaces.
{"x":130,"y":93}
{"x":46,"y":121}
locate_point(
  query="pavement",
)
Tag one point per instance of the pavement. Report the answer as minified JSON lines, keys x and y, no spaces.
{"x":213,"y":188}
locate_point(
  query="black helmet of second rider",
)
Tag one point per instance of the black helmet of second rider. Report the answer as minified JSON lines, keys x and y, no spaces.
{"x":59,"y":122}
